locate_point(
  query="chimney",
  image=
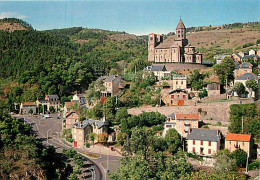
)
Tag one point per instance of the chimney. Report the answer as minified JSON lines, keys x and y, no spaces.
{"x":104,"y":118}
{"x":189,"y":130}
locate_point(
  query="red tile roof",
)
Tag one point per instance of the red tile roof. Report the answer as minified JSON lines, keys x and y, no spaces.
{"x":29,"y":104}
{"x":187,"y":116}
{"x":238,"y":137}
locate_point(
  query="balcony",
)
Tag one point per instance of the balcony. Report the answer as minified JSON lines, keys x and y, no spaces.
{"x":187,"y":124}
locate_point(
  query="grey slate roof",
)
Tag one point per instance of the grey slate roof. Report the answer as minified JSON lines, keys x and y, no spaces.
{"x":101,"y":78}
{"x":81,"y":95}
{"x":172,"y":116}
{"x":250,"y":56}
{"x":110,"y":78}
{"x":53,"y":96}
{"x":207,"y":62}
{"x":178,"y":90}
{"x":203,"y":134}
{"x":238,"y":55}
{"x":243,"y":65}
{"x":247,"y":76}
{"x":155,"y":67}
{"x":89,"y":122}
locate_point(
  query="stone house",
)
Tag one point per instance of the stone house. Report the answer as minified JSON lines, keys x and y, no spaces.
{"x":53,"y":100}
{"x":243,"y":79}
{"x":172,"y":50}
{"x":254,"y":56}
{"x":220,"y":57}
{"x":252,"y":52}
{"x":242,"y":68}
{"x":213,"y":89}
{"x":71,"y":119}
{"x":179,"y":82}
{"x":79,"y":98}
{"x":203,"y":142}
{"x":239,"y":141}
{"x":159,"y":71}
{"x":112,"y":85}
{"x":237,"y":57}
{"x":177,"y":97}
{"x":80,"y":131}
{"x":68,"y":107}
{"x":182,"y":123}
{"x":26,"y":107}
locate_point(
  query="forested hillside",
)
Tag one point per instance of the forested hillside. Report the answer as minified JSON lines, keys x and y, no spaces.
{"x":62,"y":61}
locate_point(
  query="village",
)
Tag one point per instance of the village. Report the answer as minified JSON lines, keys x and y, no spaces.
{"x":190,"y":94}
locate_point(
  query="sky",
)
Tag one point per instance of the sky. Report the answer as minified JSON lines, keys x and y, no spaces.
{"x":138,"y":17}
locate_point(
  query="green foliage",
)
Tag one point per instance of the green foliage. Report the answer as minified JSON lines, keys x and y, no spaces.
{"x":248,"y":45}
{"x":252,"y":84}
{"x":219,"y":123}
{"x":103,"y":137}
{"x":52,"y":109}
{"x":77,"y":159}
{"x":205,"y":127}
{"x":225,"y":70}
{"x":92,"y":137}
{"x":196,"y":80}
{"x":250,"y":118}
{"x":240,"y":156}
{"x":239,"y":88}
{"x":258,"y":41}
{"x":121,"y":114}
{"x":121,"y":137}
{"x":21,"y":152}
{"x":109,"y":109}
{"x":88,"y":145}
{"x":19,"y":21}
{"x":254,"y":165}
{"x":173,"y":140}
{"x":70,"y":153}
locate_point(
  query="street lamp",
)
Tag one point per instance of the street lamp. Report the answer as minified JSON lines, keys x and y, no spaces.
{"x":48,"y":136}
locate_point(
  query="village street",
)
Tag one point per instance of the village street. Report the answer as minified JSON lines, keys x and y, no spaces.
{"x":50,"y":129}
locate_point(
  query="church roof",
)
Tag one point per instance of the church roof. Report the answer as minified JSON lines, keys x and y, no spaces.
{"x":180,"y":25}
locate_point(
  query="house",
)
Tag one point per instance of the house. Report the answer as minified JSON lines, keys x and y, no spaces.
{"x":239,"y":141}
{"x":213,"y":89}
{"x":177,"y":97}
{"x":112,"y":85}
{"x":243,"y":53}
{"x":237,"y":57}
{"x":68,"y":107}
{"x":252,"y":52}
{"x":53,"y":100}
{"x":254,"y":56}
{"x":203,"y":142}
{"x":182,"y":123}
{"x":220,"y":57}
{"x":242,"y":68}
{"x":71,"y":118}
{"x":173,"y":49}
{"x":80,"y":131}
{"x":81,"y":98}
{"x":159,"y":71}
{"x":28,"y":108}
{"x":243,"y":79}
{"x":179,"y":82}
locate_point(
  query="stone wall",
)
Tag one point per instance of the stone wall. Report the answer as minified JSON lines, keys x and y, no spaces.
{"x":214,"y":112}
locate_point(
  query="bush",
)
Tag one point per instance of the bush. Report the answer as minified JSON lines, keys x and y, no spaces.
{"x":247,"y":45}
{"x":254,"y":165}
{"x":88,"y":145}
{"x":219,"y":123}
{"x":205,"y":127}
{"x":240,"y":156}
{"x":70,"y":153}
{"x":103,"y":137}
{"x":71,"y":140}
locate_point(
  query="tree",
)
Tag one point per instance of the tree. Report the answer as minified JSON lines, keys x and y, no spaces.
{"x":224,"y":163}
{"x":132,"y":168}
{"x":252,"y":85}
{"x":225,"y":70}
{"x":121,"y":114}
{"x":52,"y":109}
{"x":103,"y":137}
{"x":173,"y":140}
{"x":121,"y":137}
{"x":31,"y":111}
{"x":239,"y":88}
{"x":113,"y":71}
{"x":92,"y":137}
{"x":240,"y":156}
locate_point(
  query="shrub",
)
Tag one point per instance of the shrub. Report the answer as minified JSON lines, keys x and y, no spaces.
{"x":219,"y":123}
{"x":240,"y":156}
{"x":205,"y":127}
{"x":247,"y":45}
{"x":200,"y":110}
{"x":254,"y":165}
{"x":103,"y":137}
{"x":70,"y":153}
{"x":88,"y":145}
{"x":71,"y":140}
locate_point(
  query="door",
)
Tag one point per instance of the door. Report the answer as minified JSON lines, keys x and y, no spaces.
{"x":75,"y":144}
{"x":180,"y":103}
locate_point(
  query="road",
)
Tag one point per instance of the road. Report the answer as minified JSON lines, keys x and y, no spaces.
{"x":51,"y":128}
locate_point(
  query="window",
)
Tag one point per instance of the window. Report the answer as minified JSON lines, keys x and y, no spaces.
{"x":209,"y":143}
{"x":176,"y":82}
{"x":201,"y":142}
{"x":229,"y":142}
{"x":172,"y":96}
{"x":193,"y":149}
{"x":193,"y":142}
{"x":181,"y":82}
{"x":168,"y":126}
{"x":243,"y":143}
{"x":184,"y":96}
{"x":209,"y":151}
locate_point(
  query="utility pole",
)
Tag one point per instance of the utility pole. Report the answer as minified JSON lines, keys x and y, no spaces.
{"x":242,"y":123}
{"x":135,"y":69}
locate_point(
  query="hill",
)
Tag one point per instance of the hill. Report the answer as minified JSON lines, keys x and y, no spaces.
{"x":223,"y":39}
{"x":13,"y":24}
{"x":62,"y":61}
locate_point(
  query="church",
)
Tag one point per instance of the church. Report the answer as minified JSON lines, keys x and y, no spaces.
{"x":172,"y":50}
